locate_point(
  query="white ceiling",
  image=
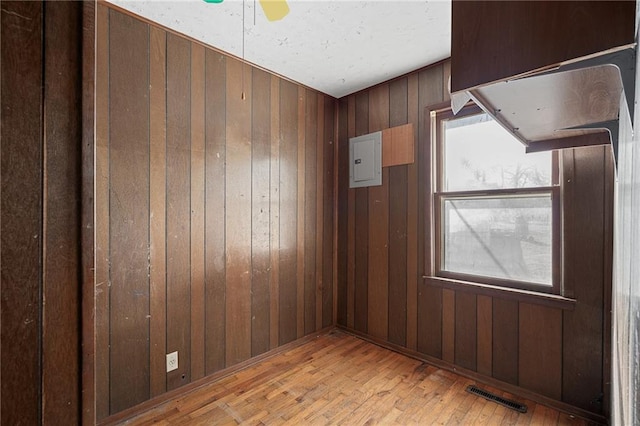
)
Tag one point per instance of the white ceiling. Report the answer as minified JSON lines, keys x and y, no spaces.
{"x":336,"y":47}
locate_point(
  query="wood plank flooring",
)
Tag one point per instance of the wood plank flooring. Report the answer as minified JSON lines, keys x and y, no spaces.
{"x":340,"y":379}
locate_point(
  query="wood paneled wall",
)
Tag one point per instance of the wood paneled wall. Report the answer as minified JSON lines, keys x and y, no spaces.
{"x":555,"y":352}
{"x":41,"y":73}
{"x":214,"y":211}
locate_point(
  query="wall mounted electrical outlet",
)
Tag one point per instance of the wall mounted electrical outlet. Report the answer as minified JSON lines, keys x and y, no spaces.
{"x":172,"y":361}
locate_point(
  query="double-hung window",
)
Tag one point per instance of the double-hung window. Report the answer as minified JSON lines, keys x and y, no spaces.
{"x":495,"y":208}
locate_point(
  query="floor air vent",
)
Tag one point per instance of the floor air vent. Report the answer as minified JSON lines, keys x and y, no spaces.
{"x":498,"y":399}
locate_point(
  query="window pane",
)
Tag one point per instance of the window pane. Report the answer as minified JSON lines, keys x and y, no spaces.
{"x":507,"y":237}
{"x":479,"y":154}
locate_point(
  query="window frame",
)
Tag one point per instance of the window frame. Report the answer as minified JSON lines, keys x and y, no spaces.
{"x":434,"y":204}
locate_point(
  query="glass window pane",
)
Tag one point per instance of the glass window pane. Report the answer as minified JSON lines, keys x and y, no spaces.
{"x":479,"y":154}
{"x":507,"y":237}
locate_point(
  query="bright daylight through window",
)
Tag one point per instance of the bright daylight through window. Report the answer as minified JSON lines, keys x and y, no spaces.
{"x":493,"y":205}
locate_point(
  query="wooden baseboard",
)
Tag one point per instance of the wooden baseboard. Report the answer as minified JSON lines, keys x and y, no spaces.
{"x":507,"y":387}
{"x":177,"y":393}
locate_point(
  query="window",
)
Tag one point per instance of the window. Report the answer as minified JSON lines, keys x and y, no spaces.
{"x":495,"y":208}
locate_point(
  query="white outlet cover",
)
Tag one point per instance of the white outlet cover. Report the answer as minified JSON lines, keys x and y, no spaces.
{"x":172,"y":361}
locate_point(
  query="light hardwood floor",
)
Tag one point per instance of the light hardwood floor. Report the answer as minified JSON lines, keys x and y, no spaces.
{"x":340,"y":379}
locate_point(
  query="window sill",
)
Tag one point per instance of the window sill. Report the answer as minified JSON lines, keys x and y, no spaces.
{"x":533,"y":297}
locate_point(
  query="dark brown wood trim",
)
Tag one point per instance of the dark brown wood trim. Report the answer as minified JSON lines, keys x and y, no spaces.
{"x":567,"y":191}
{"x":101,"y":248}
{"x":512,"y":389}
{"x":430,"y":185}
{"x":21,"y":81}
{"x":532,"y":297}
{"x":589,"y":139}
{"x":87,"y":252}
{"x":175,"y":393}
{"x":336,"y":162}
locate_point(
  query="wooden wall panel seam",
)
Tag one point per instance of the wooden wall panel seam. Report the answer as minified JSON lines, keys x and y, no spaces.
{"x":260,"y":206}
{"x":351,"y":225}
{"x":274,"y":219}
{"x":300,"y":183}
{"x":319,"y":210}
{"x":328,"y":214}
{"x":23,"y":227}
{"x":178,"y":216}
{"x":128,"y":212}
{"x":87,"y":226}
{"x":412,"y":218}
{"x":102,"y":249}
{"x":430,"y":300}
{"x":157,"y":173}
{"x":62,"y":124}
{"x":288,"y":213}
{"x":398,"y":201}
{"x":336,"y":219}
{"x":215,"y":211}
{"x":238,"y":214}
{"x":361,"y":122}
{"x":197,"y":181}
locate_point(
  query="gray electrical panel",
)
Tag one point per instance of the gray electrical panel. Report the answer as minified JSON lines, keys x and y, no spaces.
{"x":365,"y":160}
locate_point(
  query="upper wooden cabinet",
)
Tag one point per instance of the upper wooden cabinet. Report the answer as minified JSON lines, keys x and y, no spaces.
{"x":555,"y":74}
{"x":495,"y":40}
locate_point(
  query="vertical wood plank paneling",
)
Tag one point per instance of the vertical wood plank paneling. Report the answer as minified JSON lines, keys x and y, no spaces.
{"x":398,"y":115}
{"x":584,"y":254}
{"x":310,"y":216}
{"x":61,"y":213}
{"x":222,"y":242}
{"x":157,"y":209}
{"x":505,"y":340}
{"x":351,"y":223}
{"x":361,"y":225}
{"x":300,"y":212}
{"x":448,"y":325}
{"x":21,"y":26}
{"x":197,"y":211}
{"x":288,"y":211}
{"x":215,"y":211}
{"x":88,"y":218}
{"x":102,"y":277}
{"x":413,"y":260}
{"x":430,"y":299}
{"x":343,"y":211}
{"x":465,"y":330}
{"x":274,"y":217}
{"x":129,"y":211}
{"x":334,"y":215}
{"x":329,"y":214}
{"x":540,"y":349}
{"x":319,"y":209}
{"x":378,"y":311}
{"x":238,"y":212}
{"x":178,"y":208}
{"x":485,"y":328}
{"x":260,"y":147}
{"x":477,"y":332}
